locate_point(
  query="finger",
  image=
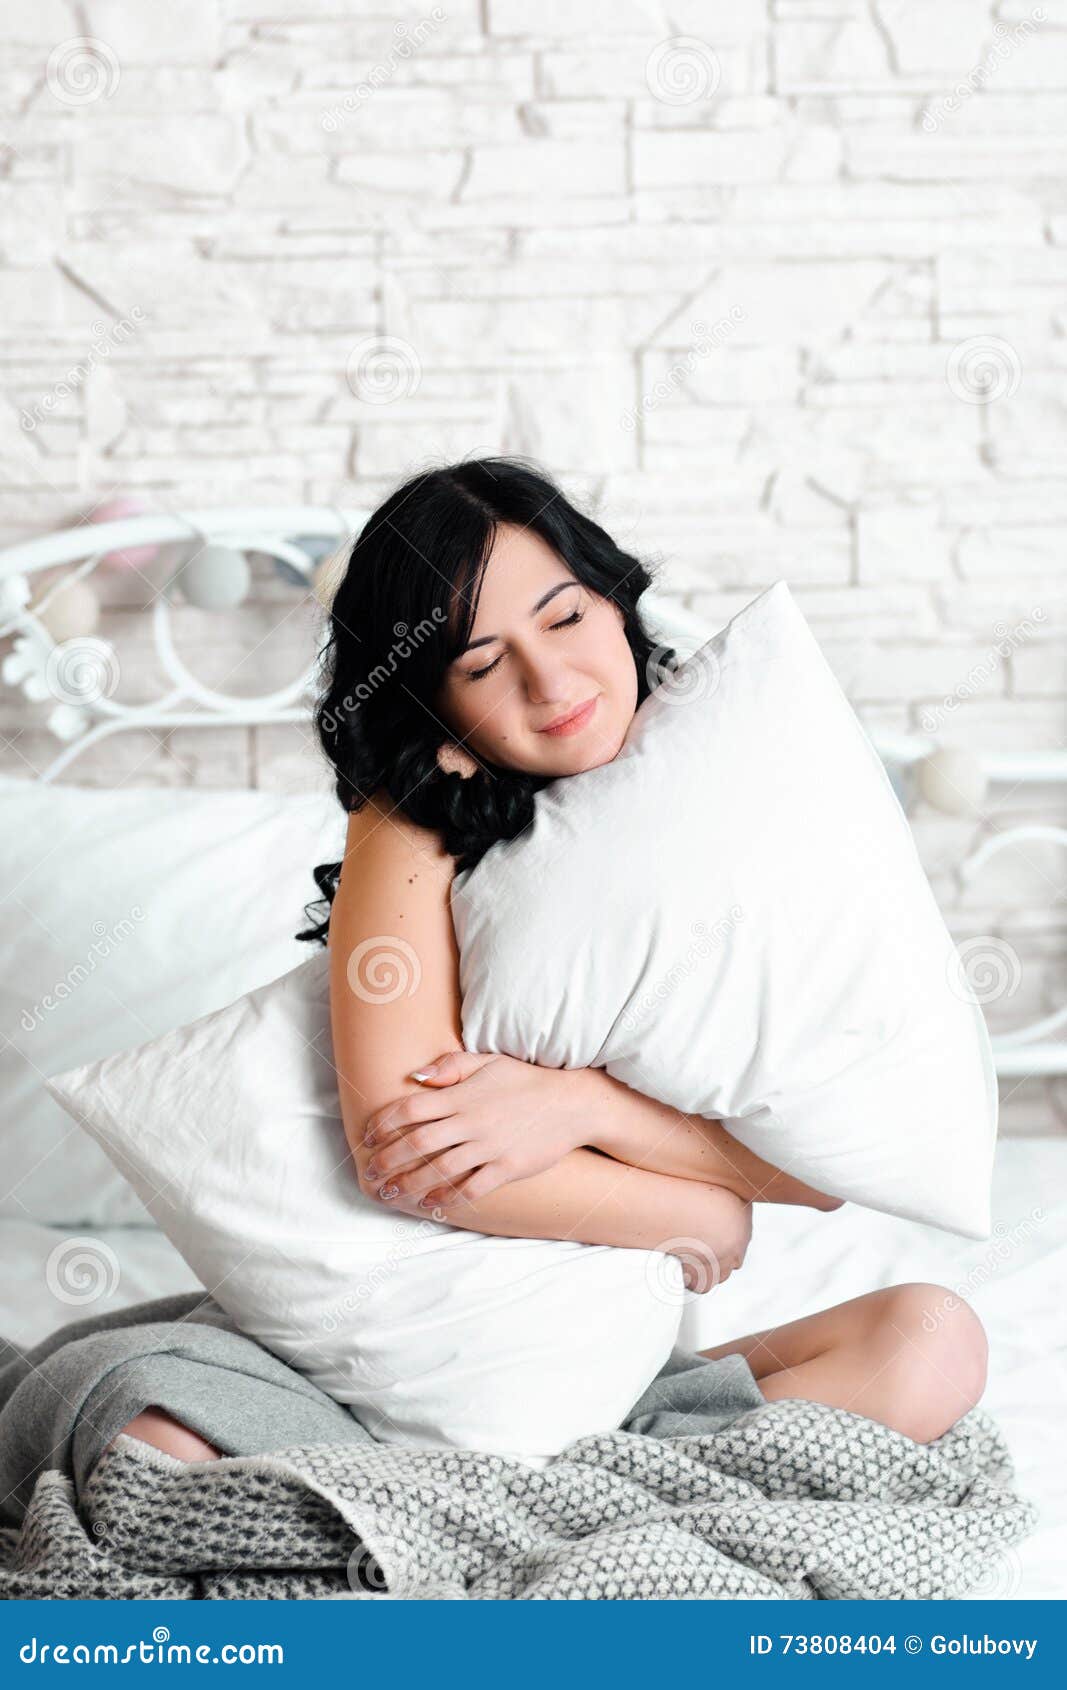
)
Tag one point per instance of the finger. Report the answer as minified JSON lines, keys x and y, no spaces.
{"x":417,"y":1144}
{"x":443,"y":1200}
{"x":403,"y":1113}
{"x":438,"y":1198}
{"x":446,"y":1070}
{"x":470,"y":1190}
{"x":444,"y":1170}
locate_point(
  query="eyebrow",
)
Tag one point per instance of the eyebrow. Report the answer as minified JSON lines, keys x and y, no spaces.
{"x":487,"y":639}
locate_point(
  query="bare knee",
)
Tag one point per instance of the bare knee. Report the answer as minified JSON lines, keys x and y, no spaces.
{"x":155,"y":1426}
{"x":939,"y":1355}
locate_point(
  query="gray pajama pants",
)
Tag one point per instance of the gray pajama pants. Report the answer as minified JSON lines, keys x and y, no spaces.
{"x":62,"y":1402}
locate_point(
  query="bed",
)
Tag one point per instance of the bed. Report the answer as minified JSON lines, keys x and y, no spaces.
{"x":1017,"y":1281}
{"x":56,"y":1264}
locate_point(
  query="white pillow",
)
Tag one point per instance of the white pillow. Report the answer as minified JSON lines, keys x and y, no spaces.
{"x":230,"y":1130}
{"x":732,"y":917}
{"x":123,"y":913}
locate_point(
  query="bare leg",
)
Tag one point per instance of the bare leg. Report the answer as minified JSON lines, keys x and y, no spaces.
{"x":911,"y":1356}
{"x":156,"y":1426}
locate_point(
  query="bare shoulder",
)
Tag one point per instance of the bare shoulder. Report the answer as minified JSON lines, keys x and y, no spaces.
{"x":393,"y":871}
{"x":385,"y":844}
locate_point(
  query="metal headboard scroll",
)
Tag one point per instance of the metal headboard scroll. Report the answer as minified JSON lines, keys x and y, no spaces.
{"x":912,"y":761}
{"x":82,"y":721}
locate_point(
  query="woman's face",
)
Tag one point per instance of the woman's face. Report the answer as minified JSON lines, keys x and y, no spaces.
{"x":542,"y":645}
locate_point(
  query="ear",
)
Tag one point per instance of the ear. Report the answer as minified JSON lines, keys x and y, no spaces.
{"x":454,"y":759}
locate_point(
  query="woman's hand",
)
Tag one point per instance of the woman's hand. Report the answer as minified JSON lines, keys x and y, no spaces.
{"x":479,"y":1123}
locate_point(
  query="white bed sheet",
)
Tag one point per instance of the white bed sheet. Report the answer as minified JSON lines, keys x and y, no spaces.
{"x":799,"y":1261}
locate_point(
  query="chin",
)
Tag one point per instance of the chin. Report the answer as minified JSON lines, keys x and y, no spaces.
{"x":605,"y":750}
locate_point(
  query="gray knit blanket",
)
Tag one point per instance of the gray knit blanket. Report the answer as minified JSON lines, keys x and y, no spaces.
{"x":791,"y":1500}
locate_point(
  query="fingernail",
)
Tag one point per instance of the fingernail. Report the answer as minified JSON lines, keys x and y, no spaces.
{"x":369,"y":1138}
{"x":372,"y":1171}
{"x":424,"y":1073}
{"x":427,"y":1202}
{"x":388,"y":1191}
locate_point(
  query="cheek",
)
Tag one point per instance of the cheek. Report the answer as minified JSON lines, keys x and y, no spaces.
{"x":479,"y":710}
{"x":613,"y":661}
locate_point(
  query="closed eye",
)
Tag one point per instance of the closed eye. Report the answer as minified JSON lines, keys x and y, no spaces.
{"x":569,"y":622}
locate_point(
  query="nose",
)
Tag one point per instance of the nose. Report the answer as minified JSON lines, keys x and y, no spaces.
{"x":546,"y":680}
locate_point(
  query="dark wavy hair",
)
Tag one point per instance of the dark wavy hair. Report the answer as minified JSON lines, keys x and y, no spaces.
{"x":405,"y":609}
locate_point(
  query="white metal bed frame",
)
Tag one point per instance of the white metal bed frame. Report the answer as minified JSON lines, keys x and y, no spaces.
{"x":1027,"y":1051}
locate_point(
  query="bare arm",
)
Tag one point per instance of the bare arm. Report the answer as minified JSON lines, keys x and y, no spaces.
{"x":394,"y":994}
{"x":637,"y":1129}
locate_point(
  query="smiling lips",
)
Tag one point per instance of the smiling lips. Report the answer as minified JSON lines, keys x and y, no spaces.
{"x":573,"y":723}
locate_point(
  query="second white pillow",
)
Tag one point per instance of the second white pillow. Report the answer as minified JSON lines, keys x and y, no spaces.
{"x":229,"y":1130}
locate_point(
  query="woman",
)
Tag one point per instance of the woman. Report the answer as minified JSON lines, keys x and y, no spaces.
{"x":485,"y":640}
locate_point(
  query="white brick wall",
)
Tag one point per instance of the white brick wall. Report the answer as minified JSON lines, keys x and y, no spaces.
{"x":733,"y":269}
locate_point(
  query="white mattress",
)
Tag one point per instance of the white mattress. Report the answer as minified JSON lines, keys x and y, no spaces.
{"x":799,"y":1261}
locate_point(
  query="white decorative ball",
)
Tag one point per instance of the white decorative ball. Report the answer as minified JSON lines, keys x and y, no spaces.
{"x":952,"y":781}
{"x":215,"y":578}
